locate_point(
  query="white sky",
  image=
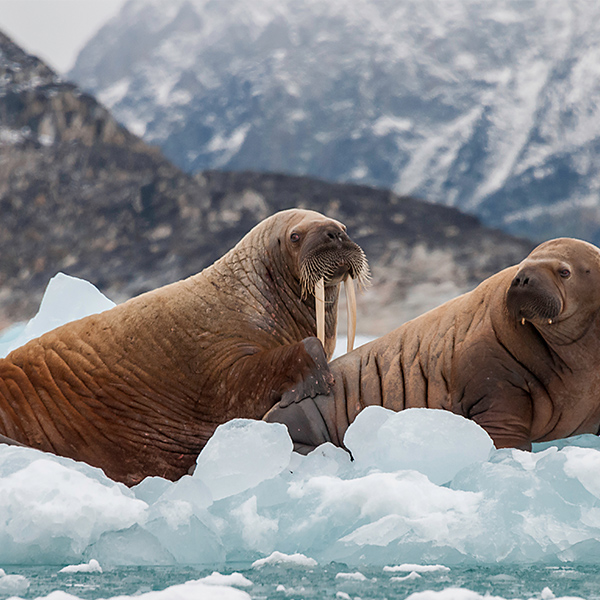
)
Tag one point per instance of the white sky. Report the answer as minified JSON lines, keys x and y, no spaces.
{"x":55,"y":30}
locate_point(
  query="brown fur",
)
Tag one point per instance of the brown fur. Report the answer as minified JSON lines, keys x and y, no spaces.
{"x":139,"y":389}
{"x":523,"y":383}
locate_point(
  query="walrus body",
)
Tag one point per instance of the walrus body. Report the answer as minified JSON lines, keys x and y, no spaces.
{"x":520,"y":355}
{"x":139,"y":389}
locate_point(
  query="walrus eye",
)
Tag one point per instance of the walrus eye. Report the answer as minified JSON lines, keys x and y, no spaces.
{"x":295,"y":237}
{"x":564,"y":273}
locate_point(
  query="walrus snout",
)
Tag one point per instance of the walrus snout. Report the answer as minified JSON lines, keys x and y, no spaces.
{"x":334,"y":235}
{"x":328,"y":258}
{"x":532,"y":296}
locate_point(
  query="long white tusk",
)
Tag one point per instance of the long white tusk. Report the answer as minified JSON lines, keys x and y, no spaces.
{"x":351,"y":309}
{"x":320,"y":309}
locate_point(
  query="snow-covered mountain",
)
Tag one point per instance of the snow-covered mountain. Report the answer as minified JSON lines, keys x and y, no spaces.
{"x":492,"y":107}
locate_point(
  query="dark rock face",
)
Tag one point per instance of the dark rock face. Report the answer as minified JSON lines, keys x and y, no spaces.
{"x":82,"y":195}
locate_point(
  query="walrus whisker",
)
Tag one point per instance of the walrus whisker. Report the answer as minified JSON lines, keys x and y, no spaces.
{"x":320,"y":309}
{"x":351,"y":310}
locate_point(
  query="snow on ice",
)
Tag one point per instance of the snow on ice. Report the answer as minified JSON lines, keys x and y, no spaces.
{"x":90,"y":567}
{"x":425,"y":487}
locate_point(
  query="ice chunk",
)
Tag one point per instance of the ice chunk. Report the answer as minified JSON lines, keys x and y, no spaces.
{"x":279,"y":558}
{"x":357,"y":576}
{"x":583,"y":464}
{"x":132,"y":546}
{"x":371,"y":517}
{"x":66,"y":299}
{"x":241,"y":454}
{"x":52,"y":507}
{"x":190,"y":590}
{"x":325,"y":459}
{"x":437,"y":443}
{"x":451,"y":594}
{"x":10,"y":585}
{"x":416,"y":568}
{"x":91,"y":567}
{"x":412,"y":575}
{"x":151,"y":489}
{"x":235,"y":579}
{"x":187,"y":489}
{"x":186,"y":531}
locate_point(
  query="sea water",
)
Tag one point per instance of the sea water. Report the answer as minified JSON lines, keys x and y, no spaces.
{"x":428,"y":509}
{"x":320,"y":582}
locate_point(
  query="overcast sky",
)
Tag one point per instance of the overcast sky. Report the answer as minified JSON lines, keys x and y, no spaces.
{"x":55,"y":30}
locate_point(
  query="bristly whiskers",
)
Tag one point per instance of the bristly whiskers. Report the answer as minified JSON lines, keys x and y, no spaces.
{"x":327,"y":263}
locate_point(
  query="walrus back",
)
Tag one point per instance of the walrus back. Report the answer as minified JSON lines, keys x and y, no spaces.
{"x":104,"y":388}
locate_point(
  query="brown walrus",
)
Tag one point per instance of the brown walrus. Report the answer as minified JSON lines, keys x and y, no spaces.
{"x":520,"y":355}
{"x":137,"y":390}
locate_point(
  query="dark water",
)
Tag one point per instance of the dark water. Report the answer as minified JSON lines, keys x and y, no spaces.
{"x":321,"y":582}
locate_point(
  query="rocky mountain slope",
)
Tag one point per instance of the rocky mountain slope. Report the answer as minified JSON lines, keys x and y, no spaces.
{"x":490,"y":107}
{"x":82,"y":195}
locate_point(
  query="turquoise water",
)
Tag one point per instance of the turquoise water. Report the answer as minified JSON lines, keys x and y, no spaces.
{"x":321,"y":582}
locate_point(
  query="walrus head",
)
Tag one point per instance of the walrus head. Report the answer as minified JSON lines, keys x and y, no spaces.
{"x":559,"y":282}
{"x":326,"y":257}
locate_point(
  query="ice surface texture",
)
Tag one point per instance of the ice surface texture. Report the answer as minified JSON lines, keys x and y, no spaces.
{"x":425,"y":487}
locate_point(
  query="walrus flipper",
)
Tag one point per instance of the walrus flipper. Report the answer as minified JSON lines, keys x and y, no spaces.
{"x":10,"y":442}
{"x":305,"y":422}
{"x":317,"y":381}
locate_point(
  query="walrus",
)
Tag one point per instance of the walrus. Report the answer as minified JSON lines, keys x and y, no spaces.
{"x":519,"y":355}
{"x":138,"y":390}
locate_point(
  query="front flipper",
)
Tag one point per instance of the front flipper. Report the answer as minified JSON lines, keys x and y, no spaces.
{"x":316,"y":381}
{"x":305,"y":422}
{"x":259,"y":380}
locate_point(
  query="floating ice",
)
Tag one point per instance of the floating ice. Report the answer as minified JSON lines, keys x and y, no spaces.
{"x":241,"y":454}
{"x":235,"y":579}
{"x":357,"y":576}
{"x":416,"y":568}
{"x":66,"y":299}
{"x":90,"y":567}
{"x":412,"y":575}
{"x":451,"y":594}
{"x":438,"y":445}
{"x":426,"y":487}
{"x":190,"y":590}
{"x":462,"y":594}
{"x":52,"y":508}
{"x":279,"y":558}
{"x":11,"y":585}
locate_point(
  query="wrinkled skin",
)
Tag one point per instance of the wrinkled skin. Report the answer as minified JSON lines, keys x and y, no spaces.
{"x":139,"y":389}
{"x":520,"y":355}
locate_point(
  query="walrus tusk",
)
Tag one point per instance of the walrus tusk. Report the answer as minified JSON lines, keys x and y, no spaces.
{"x":351,"y":308}
{"x":320,"y":309}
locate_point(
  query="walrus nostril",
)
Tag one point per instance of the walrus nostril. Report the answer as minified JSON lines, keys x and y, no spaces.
{"x":520,"y":281}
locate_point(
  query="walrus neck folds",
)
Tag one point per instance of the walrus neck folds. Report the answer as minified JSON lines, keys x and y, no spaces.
{"x":296,"y":316}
